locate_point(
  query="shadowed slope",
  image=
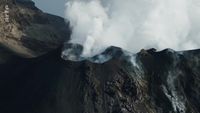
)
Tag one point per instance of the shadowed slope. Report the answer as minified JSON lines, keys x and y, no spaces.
{"x":162,"y":82}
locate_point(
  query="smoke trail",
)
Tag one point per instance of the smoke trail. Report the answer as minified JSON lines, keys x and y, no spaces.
{"x":134,"y":24}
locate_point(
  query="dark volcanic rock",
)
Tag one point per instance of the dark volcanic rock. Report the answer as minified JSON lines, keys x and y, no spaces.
{"x":115,"y":81}
{"x":158,"y":82}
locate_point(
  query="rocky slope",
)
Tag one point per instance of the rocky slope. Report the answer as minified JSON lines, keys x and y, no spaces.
{"x":115,"y":81}
{"x":154,"y":82}
{"x":28,"y":31}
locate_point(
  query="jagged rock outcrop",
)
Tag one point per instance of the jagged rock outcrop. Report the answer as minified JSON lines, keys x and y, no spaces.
{"x":28,"y":31}
{"x":154,"y":82}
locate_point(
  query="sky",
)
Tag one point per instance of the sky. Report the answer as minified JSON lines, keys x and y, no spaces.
{"x":55,"y":7}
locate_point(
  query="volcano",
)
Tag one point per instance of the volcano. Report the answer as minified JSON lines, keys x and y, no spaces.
{"x":55,"y":79}
{"x":161,"y":82}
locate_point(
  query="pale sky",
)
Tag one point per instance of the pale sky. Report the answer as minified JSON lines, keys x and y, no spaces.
{"x":55,"y":7}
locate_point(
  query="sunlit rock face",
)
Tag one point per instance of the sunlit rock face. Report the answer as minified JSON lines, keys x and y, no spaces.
{"x":29,"y":32}
{"x":149,"y":81}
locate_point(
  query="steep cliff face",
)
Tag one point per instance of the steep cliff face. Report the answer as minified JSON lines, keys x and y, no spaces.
{"x":152,"y":82}
{"x":29,"y":32}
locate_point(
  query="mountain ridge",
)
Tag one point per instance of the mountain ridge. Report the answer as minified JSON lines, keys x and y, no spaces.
{"x":39,"y":76}
{"x":162,"y":82}
{"x":31,"y":32}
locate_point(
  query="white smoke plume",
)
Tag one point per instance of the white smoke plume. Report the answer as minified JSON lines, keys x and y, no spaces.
{"x":134,"y":24}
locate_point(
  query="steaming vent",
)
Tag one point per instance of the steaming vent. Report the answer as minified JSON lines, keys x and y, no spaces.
{"x":74,"y":52}
{"x":132,"y":25}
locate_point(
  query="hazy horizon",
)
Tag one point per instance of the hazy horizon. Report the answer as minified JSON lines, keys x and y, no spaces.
{"x":51,"y":6}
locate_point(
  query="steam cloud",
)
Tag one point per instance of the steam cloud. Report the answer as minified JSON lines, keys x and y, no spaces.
{"x":134,"y":24}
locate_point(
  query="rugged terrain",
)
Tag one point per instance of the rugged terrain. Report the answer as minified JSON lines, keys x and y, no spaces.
{"x":158,"y":82}
{"x":37,"y":74}
{"x":30,"y":32}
